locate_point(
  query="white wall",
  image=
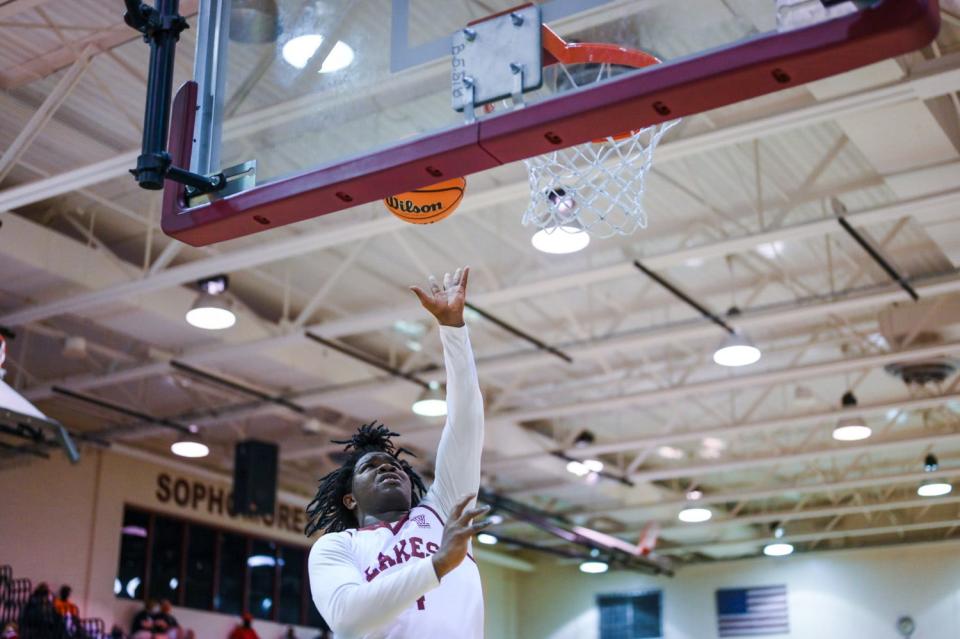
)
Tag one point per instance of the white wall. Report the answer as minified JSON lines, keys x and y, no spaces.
{"x":61,"y":523}
{"x":832,"y":595}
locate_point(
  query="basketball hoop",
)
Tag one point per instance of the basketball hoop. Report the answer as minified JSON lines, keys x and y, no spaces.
{"x":596,"y":187}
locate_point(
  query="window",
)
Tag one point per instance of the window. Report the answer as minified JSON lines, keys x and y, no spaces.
{"x":630,"y":616}
{"x":292,"y":566}
{"x":204,"y":568}
{"x":131,"y":573}
{"x":229,"y":599}
{"x":165,"y":557}
{"x":201,"y":546}
{"x":262,"y":566}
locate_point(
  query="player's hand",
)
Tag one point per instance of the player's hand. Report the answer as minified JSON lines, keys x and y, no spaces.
{"x":445,"y":300}
{"x":457,"y":534}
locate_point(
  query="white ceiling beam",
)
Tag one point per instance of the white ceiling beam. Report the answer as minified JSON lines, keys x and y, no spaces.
{"x":935,"y":205}
{"x":775,"y":492}
{"x":730,"y":430}
{"x":699,"y":470}
{"x":44,"y":112}
{"x":716,"y":526}
{"x":785,"y":516}
{"x":816,"y":536}
{"x":723,"y":384}
{"x":682,"y":332}
{"x":16,"y":7}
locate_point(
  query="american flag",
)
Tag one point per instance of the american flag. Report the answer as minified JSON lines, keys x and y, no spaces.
{"x":743,"y":612}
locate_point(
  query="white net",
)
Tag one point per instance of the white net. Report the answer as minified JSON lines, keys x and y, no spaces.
{"x":596,"y":187}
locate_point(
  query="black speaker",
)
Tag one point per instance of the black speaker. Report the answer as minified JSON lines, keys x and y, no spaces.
{"x":254,"y":478}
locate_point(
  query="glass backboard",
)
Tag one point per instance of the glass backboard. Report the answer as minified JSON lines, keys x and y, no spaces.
{"x":362,"y":96}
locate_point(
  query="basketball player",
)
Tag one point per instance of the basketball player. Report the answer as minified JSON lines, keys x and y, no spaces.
{"x":394,"y":561}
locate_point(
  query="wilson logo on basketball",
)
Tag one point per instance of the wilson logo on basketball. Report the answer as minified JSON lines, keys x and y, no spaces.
{"x":429,"y":204}
{"x":408,"y":206}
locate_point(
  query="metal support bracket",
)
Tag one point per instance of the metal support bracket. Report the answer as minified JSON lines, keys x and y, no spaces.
{"x":161,"y":27}
{"x":497,"y":59}
{"x":237,"y":178}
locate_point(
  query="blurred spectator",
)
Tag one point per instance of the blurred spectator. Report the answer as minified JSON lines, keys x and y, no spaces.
{"x":69,"y":611}
{"x":245,"y":631}
{"x":116,"y":632}
{"x":63,"y":605}
{"x":142,"y":626}
{"x":39,"y":619}
{"x":10,"y":631}
{"x":164,"y":621}
{"x":290,"y":633}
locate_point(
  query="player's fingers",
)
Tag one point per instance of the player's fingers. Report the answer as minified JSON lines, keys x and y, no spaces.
{"x":473,"y":512}
{"x":421,"y":295}
{"x":456,"y":277}
{"x":480,"y":525}
{"x":433,"y":285}
{"x":464,"y":278}
{"x":458,"y":509}
{"x":447,"y":282}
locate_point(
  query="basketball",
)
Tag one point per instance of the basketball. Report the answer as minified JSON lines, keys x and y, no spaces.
{"x":429,"y":204}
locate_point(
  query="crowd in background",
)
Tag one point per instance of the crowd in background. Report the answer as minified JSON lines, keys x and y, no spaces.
{"x":47,"y":617}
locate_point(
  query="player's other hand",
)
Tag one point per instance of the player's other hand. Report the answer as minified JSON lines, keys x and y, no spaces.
{"x":456,"y":536}
{"x":445,"y":300}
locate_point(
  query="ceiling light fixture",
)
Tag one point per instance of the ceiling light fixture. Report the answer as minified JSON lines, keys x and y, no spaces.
{"x":577,"y":468}
{"x":211,"y":310}
{"x":695,"y":515}
{"x":670,"y":452}
{"x":736,"y":350}
{"x":560,"y":240}
{"x":487,"y":538}
{"x":431,"y":402}
{"x":584,"y":438}
{"x":190,"y":445}
{"x":933,"y":487}
{"x":853,"y":428}
{"x":594,"y":567}
{"x":771,"y":250}
{"x":694,"y":494}
{"x":593,"y":465}
{"x":778,"y":549}
{"x":298,"y":51}
{"x":74,"y":347}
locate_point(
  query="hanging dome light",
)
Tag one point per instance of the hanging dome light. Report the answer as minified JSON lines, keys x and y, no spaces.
{"x":212,"y":309}
{"x":487,"y":538}
{"x":778,"y":549}
{"x":561,"y":240}
{"x":736,"y":350}
{"x":933,"y":487}
{"x":853,"y":428}
{"x":594,"y":567}
{"x":695,"y":515}
{"x":190,"y":445}
{"x":431,"y":402}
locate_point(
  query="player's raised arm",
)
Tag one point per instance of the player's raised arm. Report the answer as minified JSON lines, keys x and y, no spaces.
{"x":461,"y":444}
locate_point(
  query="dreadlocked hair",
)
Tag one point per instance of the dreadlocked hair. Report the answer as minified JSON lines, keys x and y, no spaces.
{"x":327,"y":512}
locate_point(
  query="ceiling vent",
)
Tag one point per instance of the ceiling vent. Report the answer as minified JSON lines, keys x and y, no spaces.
{"x":922,"y":323}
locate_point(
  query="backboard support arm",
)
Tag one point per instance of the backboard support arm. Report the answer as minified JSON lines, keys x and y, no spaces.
{"x":161,"y":27}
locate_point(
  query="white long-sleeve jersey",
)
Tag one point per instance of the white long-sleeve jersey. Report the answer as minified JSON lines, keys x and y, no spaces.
{"x":378,"y":582}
